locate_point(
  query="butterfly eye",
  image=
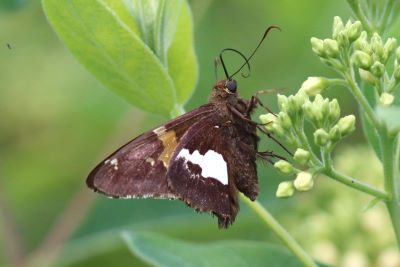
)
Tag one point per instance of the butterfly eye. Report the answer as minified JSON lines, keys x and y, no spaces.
{"x":231,"y":85}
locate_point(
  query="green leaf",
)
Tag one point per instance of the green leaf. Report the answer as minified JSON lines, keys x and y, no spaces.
{"x":130,"y":45}
{"x":369,"y":130}
{"x":390,"y":116}
{"x":162,"y":251}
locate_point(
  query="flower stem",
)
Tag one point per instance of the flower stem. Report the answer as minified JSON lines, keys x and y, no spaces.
{"x":358,"y":185}
{"x":356,"y":91}
{"x":391,"y":179}
{"x":280,"y":232}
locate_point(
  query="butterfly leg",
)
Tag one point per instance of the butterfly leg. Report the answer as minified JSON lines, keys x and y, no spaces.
{"x":254,"y":101}
{"x":244,"y":117}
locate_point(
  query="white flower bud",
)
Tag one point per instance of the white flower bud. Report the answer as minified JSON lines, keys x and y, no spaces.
{"x":331,"y":48}
{"x":347,"y":124}
{"x":282,"y":102}
{"x":334,"y":111}
{"x":390,"y":45}
{"x":386,"y":99}
{"x":284,"y":120}
{"x":342,"y":39}
{"x":367,"y":76}
{"x":377,"y":45}
{"x":303,"y":181}
{"x":314,"y":85}
{"x":362,"y":60}
{"x":268,"y":119}
{"x":301,"y":156}
{"x":337,"y":26}
{"x":285,"y":189}
{"x":362,"y":44}
{"x":378,"y":69}
{"x":317,"y":46}
{"x":278,"y":130}
{"x":321,"y":137}
{"x":354,"y":31}
{"x":284,"y":167}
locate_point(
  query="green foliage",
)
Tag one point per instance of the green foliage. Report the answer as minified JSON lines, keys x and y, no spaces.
{"x":142,"y":50}
{"x":161,"y":251}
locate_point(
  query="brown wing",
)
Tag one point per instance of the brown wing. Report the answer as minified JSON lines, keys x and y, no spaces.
{"x":138,"y":169}
{"x":202,"y":170}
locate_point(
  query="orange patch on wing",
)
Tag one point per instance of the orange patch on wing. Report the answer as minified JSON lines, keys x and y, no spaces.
{"x":168,"y":139}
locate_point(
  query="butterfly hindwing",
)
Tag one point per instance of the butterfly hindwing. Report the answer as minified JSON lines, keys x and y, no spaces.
{"x":138,"y":169}
{"x":201,"y":170}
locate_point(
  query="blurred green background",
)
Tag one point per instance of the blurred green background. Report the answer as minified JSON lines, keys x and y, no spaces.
{"x":57,"y":122}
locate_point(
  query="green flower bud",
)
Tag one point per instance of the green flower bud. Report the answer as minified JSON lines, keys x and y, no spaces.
{"x":284,"y":120}
{"x":347,"y":124}
{"x":285,"y":189}
{"x":396,"y":73}
{"x":325,"y":107}
{"x":317,"y":46}
{"x":292,"y":107}
{"x":390,"y":45}
{"x":377,"y":45}
{"x":284,"y":167}
{"x":303,"y":181}
{"x":314,"y":85}
{"x":321,"y":137}
{"x":300,"y":98}
{"x":277,"y":129}
{"x":313,"y":113}
{"x":362,"y":60}
{"x":282,"y":102}
{"x":386,"y":99}
{"x":301,"y":156}
{"x":367,"y":76}
{"x":337,"y":26}
{"x":342,"y":39}
{"x":378,"y":69}
{"x":362,"y":44}
{"x":268,"y":119}
{"x":331,"y":48}
{"x":334,"y":134}
{"x":334,"y":111}
{"x":354,"y":31}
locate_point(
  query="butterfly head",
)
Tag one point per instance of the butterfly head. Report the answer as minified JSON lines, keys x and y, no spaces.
{"x":226,"y":87}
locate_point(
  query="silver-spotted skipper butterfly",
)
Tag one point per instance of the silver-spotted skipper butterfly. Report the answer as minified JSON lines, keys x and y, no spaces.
{"x":203,"y":157}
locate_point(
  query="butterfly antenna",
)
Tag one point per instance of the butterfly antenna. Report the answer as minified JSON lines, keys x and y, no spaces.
{"x":223,"y":63}
{"x":255,"y":50}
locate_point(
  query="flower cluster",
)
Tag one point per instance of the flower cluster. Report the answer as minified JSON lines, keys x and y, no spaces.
{"x":351,"y":47}
{"x":324,"y":115}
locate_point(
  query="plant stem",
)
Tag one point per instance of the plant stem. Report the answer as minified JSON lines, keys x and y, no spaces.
{"x":386,"y":14}
{"x":351,"y":182}
{"x":391,"y":180}
{"x":280,"y":232}
{"x":356,"y":91}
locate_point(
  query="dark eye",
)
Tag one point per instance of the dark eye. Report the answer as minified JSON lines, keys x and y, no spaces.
{"x":231,"y":85}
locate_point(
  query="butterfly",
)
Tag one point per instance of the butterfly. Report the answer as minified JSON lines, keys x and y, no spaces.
{"x":203,"y":157}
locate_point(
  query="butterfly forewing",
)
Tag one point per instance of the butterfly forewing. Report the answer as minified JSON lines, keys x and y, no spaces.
{"x":138,"y":169}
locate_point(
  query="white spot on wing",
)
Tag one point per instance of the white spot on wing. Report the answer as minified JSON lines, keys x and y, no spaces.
{"x":212,"y":164}
{"x":159,"y":130}
{"x":151,"y":161}
{"x":114,"y":162}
